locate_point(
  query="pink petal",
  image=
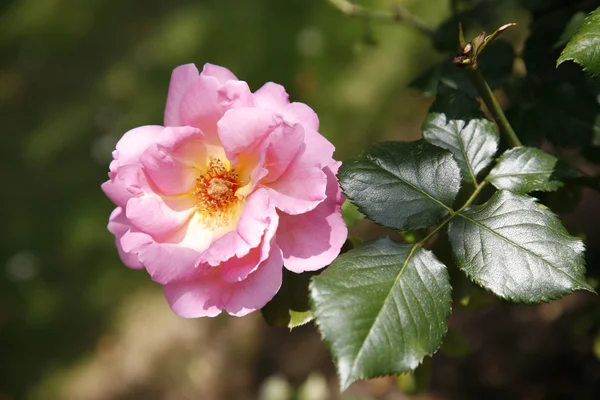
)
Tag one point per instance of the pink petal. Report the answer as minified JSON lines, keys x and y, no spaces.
{"x":222,"y":74}
{"x":129,"y":181}
{"x":274,"y":97}
{"x":170,"y":263}
{"x":134,"y":241}
{"x":116,"y":191}
{"x":284,"y":144}
{"x":200,"y":106}
{"x":207,"y":100}
{"x":254,"y":292}
{"x":302,"y":186}
{"x":271,"y":96}
{"x":118,"y":225}
{"x":154,"y":216}
{"x":171,"y":175}
{"x":319,"y":147}
{"x":242,"y":130}
{"x":313,"y":240}
{"x":235,"y":94}
{"x":238,"y":268}
{"x":134,"y":142}
{"x":300,"y":113}
{"x":182,"y":78}
{"x":207,"y":296}
{"x":257,"y":216}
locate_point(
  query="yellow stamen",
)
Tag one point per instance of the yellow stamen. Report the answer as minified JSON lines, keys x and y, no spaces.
{"x":216,"y":189}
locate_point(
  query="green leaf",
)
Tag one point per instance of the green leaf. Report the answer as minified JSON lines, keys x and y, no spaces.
{"x":382,"y":308}
{"x":524,"y":170}
{"x":290,"y":307}
{"x":402,"y":185}
{"x":517,"y":249}
{"x":583,"y":47}
{"x":455,"y":122}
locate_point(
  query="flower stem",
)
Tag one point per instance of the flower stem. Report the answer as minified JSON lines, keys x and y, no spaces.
{"x":492,"y":105}
{"x":395,"y":14}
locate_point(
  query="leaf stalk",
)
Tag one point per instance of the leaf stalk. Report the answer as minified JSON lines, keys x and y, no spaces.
{"x":493,"y":106}
{"x":478,"y":189}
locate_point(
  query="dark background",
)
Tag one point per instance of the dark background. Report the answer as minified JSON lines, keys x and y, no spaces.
{"x":76,"y":324}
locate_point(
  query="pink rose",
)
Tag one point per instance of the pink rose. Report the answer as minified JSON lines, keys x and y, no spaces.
{"x":234,"y":187}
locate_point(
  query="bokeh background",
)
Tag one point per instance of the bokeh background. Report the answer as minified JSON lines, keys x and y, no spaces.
{"x":76,"y":324}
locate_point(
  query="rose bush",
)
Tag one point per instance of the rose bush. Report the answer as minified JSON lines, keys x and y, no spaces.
{"x":235,"y":186}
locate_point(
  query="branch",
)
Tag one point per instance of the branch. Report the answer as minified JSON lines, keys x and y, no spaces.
{"x":395,"y":14}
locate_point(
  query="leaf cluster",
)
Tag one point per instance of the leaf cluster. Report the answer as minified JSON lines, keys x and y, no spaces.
{"x":383,"y":306}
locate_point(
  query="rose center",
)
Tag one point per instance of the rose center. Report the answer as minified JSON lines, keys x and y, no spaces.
{"x":216,"y":188}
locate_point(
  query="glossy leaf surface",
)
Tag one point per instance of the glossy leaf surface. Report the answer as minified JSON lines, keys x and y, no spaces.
{"x":382,"y":308}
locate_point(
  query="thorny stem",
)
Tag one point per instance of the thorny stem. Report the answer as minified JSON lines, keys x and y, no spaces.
{"x":395,"y":14}
{"x":492,"y":105}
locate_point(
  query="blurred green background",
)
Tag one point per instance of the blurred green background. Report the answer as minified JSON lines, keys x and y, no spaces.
{"x":74,"y":76}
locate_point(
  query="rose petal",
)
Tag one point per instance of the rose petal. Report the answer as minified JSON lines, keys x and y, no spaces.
{"x":235,"y":94}
{"x":207,"y":100}
{"x":300,"y":113}
{"x":200,"y":106}
{"x":284,"y":145}
{"x":134,"y":241}
{"x":238,"y":268}
{"x":129,"y":181}
{"x":118,"y":225}
{"x":300,"y":188}
{"x":154,"y":216}
{"x":207,"y":296}
{"x":253,"y":222}
{"x":170,"y":263}
{"x":222,"y":74}
{"x":171,"y":175}
{"x":243,"y":130}
{"x":134,"y":142}
{"x":165,"y":262}
{"x":271,"y":96}
{"x":274,"y":97}
{"x":313,"y":240}
{"x":182,"y":78}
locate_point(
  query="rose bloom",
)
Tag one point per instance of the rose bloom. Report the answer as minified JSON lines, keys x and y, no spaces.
{"x":235,"y":186}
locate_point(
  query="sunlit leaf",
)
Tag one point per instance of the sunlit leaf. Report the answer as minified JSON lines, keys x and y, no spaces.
{"x":517,"y":249}
{"x":583,"y":48}
{"x":402,"y":185}
{"x":382,"y":308}
{"x":524,"y":170}
{"x":456,"y":123}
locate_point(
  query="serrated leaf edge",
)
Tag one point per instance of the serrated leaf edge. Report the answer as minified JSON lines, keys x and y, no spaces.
{"x":345,"y":383}
{"x":545,"y":299}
